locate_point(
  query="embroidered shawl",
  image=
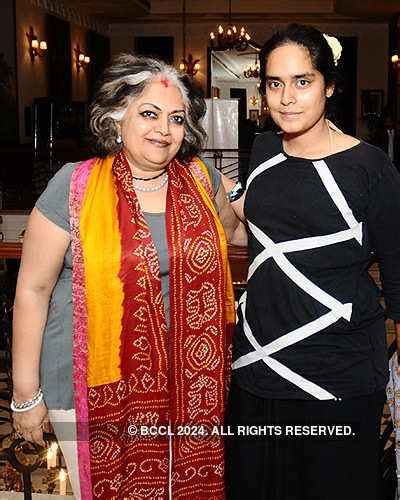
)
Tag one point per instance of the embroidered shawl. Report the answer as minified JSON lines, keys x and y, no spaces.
{"x":130,"y":374}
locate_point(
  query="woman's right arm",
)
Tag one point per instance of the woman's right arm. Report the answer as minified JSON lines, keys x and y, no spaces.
{"x":44,"y":248}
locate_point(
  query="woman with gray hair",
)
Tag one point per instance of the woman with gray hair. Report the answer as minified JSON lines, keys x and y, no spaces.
{"x":124,"y":308}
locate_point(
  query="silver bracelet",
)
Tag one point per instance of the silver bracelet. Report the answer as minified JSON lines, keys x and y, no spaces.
{"x":27,"y":405}
{"x":235,"y":193}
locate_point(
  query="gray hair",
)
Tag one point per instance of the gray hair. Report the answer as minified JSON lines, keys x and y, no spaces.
{"x":122,"y":82}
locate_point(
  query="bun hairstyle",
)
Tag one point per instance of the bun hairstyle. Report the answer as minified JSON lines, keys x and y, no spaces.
{"x":311,"y":39}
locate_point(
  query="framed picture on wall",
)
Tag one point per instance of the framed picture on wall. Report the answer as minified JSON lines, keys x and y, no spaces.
{"x":371,"y":103}
{"x":253,"y":115}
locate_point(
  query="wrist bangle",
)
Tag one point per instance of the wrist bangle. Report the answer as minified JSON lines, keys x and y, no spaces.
{"x":235,"y":193}
{"x":27,"y":405}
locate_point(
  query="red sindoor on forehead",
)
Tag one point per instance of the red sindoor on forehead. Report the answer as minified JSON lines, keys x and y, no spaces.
{"x":165,"y":82}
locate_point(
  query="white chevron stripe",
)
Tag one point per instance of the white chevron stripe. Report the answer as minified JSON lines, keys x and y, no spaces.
{"x":287,"y":340}
{"x":307,"y":244}
{"x":296,"y":379}
{"x":321,"y":241}
{"x":277,"y":252}
{"x":341,"y":310}
{"x":337,"y":196}
{"x":246,"y":326}
{"x":264,"y":166}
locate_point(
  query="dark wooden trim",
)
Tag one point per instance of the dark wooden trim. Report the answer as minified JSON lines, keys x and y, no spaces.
{"x":13,"y":249}
{"x":238,"y":261}
{"x":10,"y":249}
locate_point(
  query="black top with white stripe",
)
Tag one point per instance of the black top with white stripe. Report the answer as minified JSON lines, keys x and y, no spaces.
{"x":290,"y":201}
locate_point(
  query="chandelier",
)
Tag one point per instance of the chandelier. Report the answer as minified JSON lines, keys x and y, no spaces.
{"x":230,"y":38}
{"x":252,"y":71}
{"x":189,"y":66}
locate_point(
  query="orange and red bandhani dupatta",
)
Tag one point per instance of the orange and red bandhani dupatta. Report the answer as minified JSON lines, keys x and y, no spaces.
{"x":131,"y":375}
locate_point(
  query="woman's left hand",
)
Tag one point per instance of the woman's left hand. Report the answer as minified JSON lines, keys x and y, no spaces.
{"x":31,"y":424}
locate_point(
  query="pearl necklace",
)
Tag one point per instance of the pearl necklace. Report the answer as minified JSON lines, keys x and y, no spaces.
{"x":154,"y":188}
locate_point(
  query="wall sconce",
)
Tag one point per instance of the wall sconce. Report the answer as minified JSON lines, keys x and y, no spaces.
{"x":81,"y":60}
{"x":37,"y":47}
{"x":253,"y":100}
{"x":190,"y":66}
{"x":395,"y":61}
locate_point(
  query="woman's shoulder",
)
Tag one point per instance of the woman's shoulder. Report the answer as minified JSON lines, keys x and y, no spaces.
{"x":62,"y":178}
{"x":213,"y":173}
{"x":53,"y":203}
{"x":265,"y":146}
{"x":344,"y":141}
{"x":63,"y":175}
{"x":267,"y":140}
{"x":366,"y":158}
{"x":350,"y":145}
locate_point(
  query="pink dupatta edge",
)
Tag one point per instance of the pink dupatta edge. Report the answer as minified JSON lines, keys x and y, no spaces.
{"x":78,"y":185}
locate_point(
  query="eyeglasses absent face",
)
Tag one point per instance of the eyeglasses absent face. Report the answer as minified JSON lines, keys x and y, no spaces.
{"x":295,"y":91}
{"x":153,"y":127}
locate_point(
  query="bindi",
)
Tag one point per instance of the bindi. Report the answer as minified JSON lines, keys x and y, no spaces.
{"x":165,"y":83}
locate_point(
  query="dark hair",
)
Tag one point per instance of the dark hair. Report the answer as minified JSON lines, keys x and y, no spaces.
{"x":122,"y":82}
{"x":308,"y":37}
{"x":195,"y":135}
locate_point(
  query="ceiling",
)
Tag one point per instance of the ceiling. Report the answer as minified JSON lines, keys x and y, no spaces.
{"x":112,"y":11}
{"x":166,"y":11}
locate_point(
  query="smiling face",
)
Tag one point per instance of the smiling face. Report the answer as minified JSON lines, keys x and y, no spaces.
{"x":295,"y":90}
{"x":153,"y":127}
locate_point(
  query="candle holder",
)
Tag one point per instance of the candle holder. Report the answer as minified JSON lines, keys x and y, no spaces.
{"x":37,"y":48}
{"x":22,"y":459}
{"x":50,"y":481}
{"x":81,"y":59}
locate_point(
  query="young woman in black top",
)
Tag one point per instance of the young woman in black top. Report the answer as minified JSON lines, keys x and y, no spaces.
{"x":310,"y":346}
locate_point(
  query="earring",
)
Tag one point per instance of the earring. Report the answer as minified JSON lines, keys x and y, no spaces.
{"x":118,"y":140}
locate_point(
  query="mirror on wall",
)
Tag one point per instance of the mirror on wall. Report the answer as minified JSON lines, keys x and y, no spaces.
{"x":235,"y":74}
